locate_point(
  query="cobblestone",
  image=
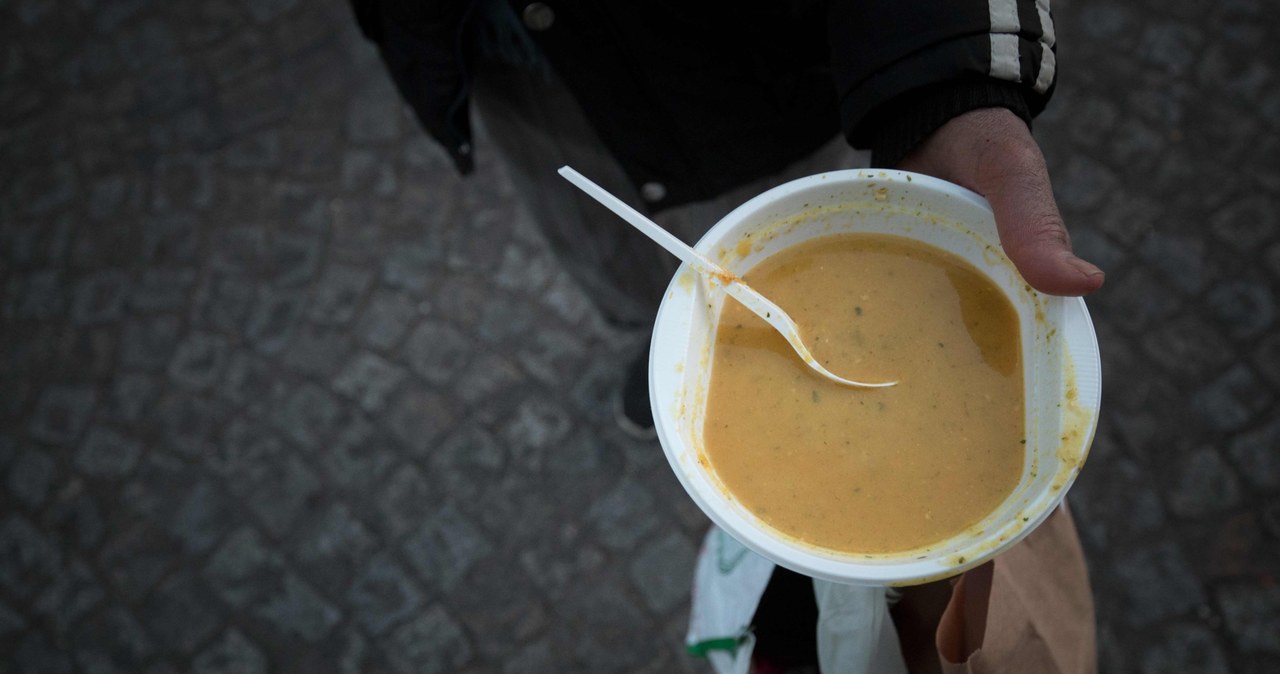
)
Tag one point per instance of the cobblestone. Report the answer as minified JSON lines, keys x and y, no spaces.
{"x":177,"y":613}
{"x":1252,"y":616}
{"x":1138,"y":300}
{"x":283,"y":497}
{"x":253,"y":103}
{"x":250,"y":384}
{"x":99,"y":298}
{"x":624,"y":515}
{"x":383,"y":595}
{"x":107,"y":453}
{"x":445,"y":547}
{"x":332,"y":545}
{"x":136,"y":559}
{"x":112,"y":641}
{"x":292,"y":260}
{"x":148,"y":343}
{"x":663,"y":573}
{"x":501,"y":599}
{"x":369,"y":380}
{"x":192,"y":511}
{"x":62,"y":413}
{"x":1246,"y":308}
{"x":1254,"y":453}
{"x":318,"y":351}
{"x":72,"y":593}
{"x":1204,"y":485}
{"x":357,"y":458}
{"x":419,"y":417}
{"x":1189,"y":347}
{"x":373,"y":114}
{"x":272,"y":319}
{"x":508,"y":500}
{"x":246,"y":304}
{"x":8,"y":449}
{"x":232,"y":652}
{"x":35,"y":654}
{"x":191,"y":427}
{"x":1230,"y":401}
{"x":536,"y":428}
{"x":606,"y":620}
{"x":431,"y":643}
{"x":309,"y":414}
{"x":39,"y":296}
{"x":1156,"y":583}
{"x":222,"y":302}
{"x":584,"y":466}
{"x":363,"y":171}
{"x":386,"y":320}
{"x":162,"y":290}
{"x":248,"y":575}
{"x":199,"y":361}
{"x":437,"y":352}
{"x":1186,"y":648}
{"x":30,"y":476}
{"x":28,"y":560}
{"x":180,"y":183}
{"x":75,"y":517}
{"x":1180,"y":259}
{"x":409,"y":267}
{"x":405,"y":500}
{"x":338,"y":294}
{"x":344,"y":652}
{"x":486,"y":378}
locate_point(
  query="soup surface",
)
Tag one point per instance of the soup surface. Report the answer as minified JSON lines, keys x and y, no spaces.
{"x":881,"y":470}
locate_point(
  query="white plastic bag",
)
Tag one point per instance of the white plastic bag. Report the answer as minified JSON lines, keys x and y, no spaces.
{"x":727,"y":585}
{"x":855,"y":632}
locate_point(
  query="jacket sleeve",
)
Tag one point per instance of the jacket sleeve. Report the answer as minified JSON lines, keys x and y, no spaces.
{"x":902,"y":69}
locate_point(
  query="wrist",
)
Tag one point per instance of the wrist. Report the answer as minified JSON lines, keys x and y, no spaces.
{"x":978,"y":149}
{"x":898,"y":127}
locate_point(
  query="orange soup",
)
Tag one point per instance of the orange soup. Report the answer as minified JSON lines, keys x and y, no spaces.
{"x":880,"y":470}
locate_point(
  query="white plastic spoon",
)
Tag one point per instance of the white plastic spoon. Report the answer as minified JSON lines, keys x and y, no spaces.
{"x":731,"y":283}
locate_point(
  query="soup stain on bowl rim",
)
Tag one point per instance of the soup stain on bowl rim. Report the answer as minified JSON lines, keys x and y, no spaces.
{"x":1064,"y":377}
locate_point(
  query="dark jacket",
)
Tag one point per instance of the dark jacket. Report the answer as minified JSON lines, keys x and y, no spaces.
{"x":704,"y":95}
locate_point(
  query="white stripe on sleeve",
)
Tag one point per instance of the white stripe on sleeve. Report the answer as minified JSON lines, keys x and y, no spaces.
{"x":1004,"y":16}
{"x":1046,"y":24}
{"x":1048,"y":64}
{"x":1004,"y":57}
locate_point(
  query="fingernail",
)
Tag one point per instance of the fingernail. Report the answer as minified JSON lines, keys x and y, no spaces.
{"x":1085,"y":267}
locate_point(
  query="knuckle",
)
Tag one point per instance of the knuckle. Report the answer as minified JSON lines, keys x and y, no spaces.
{"x":1042,"y":232}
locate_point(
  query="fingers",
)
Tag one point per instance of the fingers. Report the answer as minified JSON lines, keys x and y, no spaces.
{"x":963,"y":626}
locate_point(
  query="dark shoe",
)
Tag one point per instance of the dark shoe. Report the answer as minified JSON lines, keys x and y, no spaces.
{"x":631,"y":407}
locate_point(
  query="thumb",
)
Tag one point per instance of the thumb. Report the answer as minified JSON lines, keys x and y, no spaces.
{"x":1031,"y":228}
{"x":991,"y":152}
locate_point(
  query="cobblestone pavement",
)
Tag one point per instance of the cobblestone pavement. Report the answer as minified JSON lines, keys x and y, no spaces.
{"x":279,"y":392}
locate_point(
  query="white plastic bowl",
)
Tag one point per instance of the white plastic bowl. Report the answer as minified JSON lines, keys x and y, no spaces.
{"x":1061,"y":367}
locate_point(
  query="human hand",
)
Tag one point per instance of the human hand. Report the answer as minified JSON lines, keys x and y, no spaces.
{"x":991,"y":152}
{"x":963,"y":626}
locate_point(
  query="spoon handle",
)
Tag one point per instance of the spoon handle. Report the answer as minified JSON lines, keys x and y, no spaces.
{"x":646,"y":226}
